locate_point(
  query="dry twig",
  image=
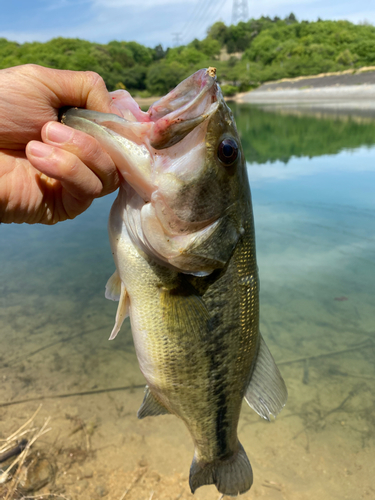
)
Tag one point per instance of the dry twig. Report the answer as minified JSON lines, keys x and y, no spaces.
{"x":140,"y":474}
{"x":22,"y":457}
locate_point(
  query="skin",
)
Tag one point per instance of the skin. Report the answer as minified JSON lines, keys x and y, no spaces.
{"x":48,"y":171}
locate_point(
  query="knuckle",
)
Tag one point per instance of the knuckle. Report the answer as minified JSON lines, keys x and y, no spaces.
{"x":70,"y":166}
{"x":97,"y":189}
{"x":94,"y":79}
{"x":32,"y":70}
{"x":67,"y":163}
{"x":90,"y":149}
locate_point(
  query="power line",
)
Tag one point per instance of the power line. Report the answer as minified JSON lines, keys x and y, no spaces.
{"x":218,"y":10}
{"x":200,"y":7}
{"x":205,"y":18}
{"x":207,"y":14}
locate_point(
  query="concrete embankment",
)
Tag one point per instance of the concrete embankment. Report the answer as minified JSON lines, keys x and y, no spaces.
{"x":336,"y":90}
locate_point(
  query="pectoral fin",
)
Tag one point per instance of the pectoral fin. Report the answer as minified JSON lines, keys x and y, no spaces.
{"x":113,"y":287}
{"x":150,"y":407}
{"x":266,"y":393}
{"x":122,"y":310}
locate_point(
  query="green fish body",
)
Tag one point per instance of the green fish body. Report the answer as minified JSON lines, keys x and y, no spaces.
{"x":182,"y":236}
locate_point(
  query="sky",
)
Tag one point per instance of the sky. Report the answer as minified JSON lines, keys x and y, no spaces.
{"x":153,"y":22}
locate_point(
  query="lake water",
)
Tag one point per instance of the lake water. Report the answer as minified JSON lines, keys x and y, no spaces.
{"x":313,"y":187}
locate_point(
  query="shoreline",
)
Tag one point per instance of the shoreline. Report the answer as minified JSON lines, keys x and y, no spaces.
{"x":350,"y":96}
{"x":345,"y":90}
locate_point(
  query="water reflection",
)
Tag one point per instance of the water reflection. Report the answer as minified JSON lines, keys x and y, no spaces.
{"x":315,"y":226}
{"x":270,"y":135}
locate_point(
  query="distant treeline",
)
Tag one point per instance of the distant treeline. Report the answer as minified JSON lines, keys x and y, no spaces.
{"x":245,"y":54}
{"x":269,"y":136}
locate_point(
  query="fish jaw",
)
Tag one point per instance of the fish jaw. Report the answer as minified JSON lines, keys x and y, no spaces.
{"x":184,"y":97}
{"x":167,"y":122}
{"x":182,"y":109}
{"x":160,"y":154}
{"x":124,"y":142}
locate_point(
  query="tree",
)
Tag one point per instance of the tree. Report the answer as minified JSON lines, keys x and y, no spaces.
{"x":163,"y":77}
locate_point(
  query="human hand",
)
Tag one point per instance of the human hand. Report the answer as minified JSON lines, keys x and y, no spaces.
{"x":58,"y":174}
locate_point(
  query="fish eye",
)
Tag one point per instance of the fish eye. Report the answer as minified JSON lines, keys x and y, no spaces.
{"x":227,"y":151}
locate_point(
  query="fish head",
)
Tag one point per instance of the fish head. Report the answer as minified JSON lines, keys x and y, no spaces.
{"x":184,"y":172}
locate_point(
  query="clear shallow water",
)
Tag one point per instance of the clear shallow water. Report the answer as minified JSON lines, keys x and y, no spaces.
{"x":315,"y":225}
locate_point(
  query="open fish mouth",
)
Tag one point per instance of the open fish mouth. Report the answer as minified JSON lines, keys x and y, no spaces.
{"x":167,"y":121}
{"x":166,"y":157}
{"x":133,"y":141}
{"x":185,"y":107}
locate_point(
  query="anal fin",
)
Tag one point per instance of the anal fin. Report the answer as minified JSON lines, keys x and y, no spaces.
{"x":122,"y":311}
{"x":266,"y":393}
{"x":150,"y":407}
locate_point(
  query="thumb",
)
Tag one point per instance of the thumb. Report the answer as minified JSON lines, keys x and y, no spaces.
{"x":83,"y":89}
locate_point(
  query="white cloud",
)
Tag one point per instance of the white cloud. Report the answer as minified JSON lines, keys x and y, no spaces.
{"x":151,"y":22}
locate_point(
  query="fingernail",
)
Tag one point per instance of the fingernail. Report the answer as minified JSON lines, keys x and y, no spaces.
{"x":40,"y":149}
{"x":57,"y":132}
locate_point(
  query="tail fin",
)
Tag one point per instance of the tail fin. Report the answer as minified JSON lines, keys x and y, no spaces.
{"x":232,"y":476}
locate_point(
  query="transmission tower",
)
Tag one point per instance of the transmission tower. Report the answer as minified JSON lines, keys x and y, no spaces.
{"x":176,"y":39}
{"x":240,"y":11}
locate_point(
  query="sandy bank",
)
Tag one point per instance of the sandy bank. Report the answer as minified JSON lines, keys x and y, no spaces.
{"x":145,"y":102}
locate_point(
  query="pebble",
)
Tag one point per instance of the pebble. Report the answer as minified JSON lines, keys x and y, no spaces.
{"x":101,"y":491}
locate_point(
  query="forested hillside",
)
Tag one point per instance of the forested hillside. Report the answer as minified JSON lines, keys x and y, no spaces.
{"x":245,"y":55}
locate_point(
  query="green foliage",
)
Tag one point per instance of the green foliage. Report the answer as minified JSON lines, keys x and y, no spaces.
{"x":296,"y":136}
{"x":159,"y":52}
{"x":189,"y":55}
{"x":259,"y":50}
{"x":135,"y":78}
{"x":289,"y":50}
{"x":164,"y":76}
{"x":229,"y":90}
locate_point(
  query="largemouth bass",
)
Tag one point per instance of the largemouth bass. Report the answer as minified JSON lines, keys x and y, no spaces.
{"x":182,"y":236}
